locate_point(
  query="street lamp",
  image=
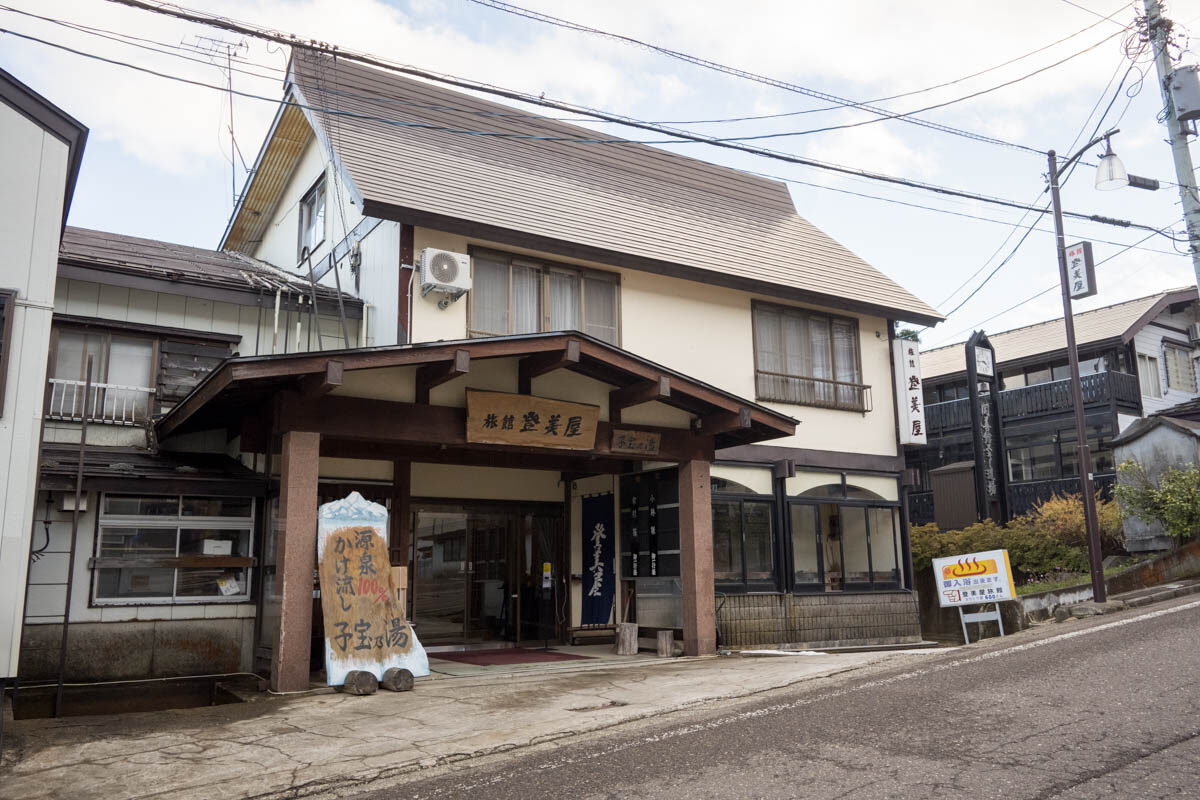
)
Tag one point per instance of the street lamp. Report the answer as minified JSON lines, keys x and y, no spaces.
{"x":1110,"y":174}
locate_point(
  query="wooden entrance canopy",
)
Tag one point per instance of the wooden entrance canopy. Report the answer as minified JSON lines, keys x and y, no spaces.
{"x":255,"y":396}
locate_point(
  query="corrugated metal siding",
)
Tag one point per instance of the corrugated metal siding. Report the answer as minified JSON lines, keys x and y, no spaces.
{"x":627,"y":198}
{"x":1110,"y":322}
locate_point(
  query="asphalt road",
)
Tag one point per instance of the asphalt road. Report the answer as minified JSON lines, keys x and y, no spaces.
{"x":1103,"y":708}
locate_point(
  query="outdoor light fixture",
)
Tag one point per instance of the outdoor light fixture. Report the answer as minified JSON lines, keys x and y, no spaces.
{"x":1110,"y":173}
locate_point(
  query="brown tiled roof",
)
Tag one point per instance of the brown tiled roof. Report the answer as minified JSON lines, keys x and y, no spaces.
{"x":1118,"y":321}
{"x":405,"y":147}
{"x":151,"y":258}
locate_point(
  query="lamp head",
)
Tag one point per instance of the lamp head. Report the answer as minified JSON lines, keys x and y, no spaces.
{"x":1110,"y":172}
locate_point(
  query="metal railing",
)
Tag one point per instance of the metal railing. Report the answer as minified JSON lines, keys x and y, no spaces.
{"x":109,"y":403}
{"x":820,"y":392}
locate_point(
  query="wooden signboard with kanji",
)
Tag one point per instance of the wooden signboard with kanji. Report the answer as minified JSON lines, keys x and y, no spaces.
{"x":522,"y":419}
{"x":365,"y":628}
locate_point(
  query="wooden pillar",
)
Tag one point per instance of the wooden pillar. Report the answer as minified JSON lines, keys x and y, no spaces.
{"x":296,"y":559}
{"x":696,"y":559}
{"x":400,"y":535}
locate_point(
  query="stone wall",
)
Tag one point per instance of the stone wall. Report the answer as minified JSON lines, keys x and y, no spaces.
{"x":109,"y":651}
{"x":787,"y":620}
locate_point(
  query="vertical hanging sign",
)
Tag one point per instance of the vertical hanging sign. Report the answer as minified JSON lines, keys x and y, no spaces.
{"x":653,"y":534}
{"x":1081,"y":270}
{"x":634,"y":543}
{"x":910,"y":394}
{"x":599,"y":569}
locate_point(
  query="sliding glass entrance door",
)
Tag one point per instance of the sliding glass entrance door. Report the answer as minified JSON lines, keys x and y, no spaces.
{"x":478,"y":571}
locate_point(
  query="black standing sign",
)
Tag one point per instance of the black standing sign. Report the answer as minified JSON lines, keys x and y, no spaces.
{"x":650,"y":524}
{"x":991,"y":499}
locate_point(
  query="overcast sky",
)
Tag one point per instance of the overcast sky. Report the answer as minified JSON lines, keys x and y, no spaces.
{"x":157,"y":163}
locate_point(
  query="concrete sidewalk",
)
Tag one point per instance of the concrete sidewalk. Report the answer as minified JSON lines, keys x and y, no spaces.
{"x":293,"y":747}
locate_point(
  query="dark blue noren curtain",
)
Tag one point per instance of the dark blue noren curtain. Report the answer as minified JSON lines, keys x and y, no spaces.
{"x":599,"y":574}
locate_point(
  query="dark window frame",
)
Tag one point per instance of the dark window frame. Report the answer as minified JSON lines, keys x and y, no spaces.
{"x":897,"y":546}
{"x":858,"y":390}
{"x":305,"y":217}
{"x":8,"y":299}
{"x":747,"y":584}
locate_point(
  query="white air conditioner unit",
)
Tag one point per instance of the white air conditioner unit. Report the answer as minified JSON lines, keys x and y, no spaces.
{"x":445,"y":272}
{"x":1194,"y":334}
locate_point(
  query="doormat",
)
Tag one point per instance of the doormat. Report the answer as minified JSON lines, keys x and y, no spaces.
{"x":508,"y":655}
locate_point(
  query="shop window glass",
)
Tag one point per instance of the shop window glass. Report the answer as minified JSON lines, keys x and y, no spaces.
{"x":807,"y":575}
{"x":857,"y":573}
{"x":149,"y":553}
{"x":759,"y":542}
{"x":727,"y":540}
{"x":885,"y":564}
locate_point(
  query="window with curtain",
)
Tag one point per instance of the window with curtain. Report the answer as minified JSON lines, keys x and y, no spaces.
{"x":808,"y":358}
{"x":1180,"y":375}
{"x":836,"y":547}
{"x":1148,"y":376}
{"x":512,"y":295}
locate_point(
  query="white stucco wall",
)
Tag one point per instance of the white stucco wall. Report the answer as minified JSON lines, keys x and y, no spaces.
{"x":1149,"y":341}
{"x":705,"y":332}
{"x":34,"y":166}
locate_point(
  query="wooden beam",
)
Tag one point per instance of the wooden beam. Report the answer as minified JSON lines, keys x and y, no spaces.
{"x":531,"y":367}
{"x":401,"y":430}
{"x":431,"y":375}
{"x":723,"y":422}
{"x":319,"y":383}
{"x":638,"y":393}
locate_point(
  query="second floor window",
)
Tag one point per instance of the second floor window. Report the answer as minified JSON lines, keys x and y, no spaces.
{"x":1148,"y":376}
{"x":122,"y":377}
{"x":1180,"y":375}
{"x":511,"y":295}
{"x":312,"y":219}
{"x":808,"y":358}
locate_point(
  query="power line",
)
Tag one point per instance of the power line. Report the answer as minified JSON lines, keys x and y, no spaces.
{"x":683,"y":136}
{"x":740,"y":73}
{"x":927,"y":89}
{"x":1047,"y":290}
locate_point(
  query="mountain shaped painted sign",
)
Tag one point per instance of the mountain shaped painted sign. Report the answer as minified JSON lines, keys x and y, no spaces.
{"x":365,"y":628}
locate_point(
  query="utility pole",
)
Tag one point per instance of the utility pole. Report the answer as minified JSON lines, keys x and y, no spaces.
{"x":1158,"y":30}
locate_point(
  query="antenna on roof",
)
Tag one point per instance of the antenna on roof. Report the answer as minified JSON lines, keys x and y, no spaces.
{"x":212,"y":49}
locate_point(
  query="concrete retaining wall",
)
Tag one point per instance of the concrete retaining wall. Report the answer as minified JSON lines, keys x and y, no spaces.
{"x":774,"y":620}
{"x":108,"y":651}
{"x":1183,"y":562}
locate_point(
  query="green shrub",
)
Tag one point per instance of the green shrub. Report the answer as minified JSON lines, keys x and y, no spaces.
{"x":1049,"y":542}
{"x":1174,"y":502}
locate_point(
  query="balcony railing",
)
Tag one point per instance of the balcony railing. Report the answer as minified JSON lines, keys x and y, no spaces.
{"x":1022,"y":497}
{"x":109,"y":403}
{"x":820,"y":392}
{"x":1041,"y":398}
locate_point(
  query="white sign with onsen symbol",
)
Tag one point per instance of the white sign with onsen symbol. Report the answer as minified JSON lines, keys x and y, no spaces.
{"x":974,"y":578}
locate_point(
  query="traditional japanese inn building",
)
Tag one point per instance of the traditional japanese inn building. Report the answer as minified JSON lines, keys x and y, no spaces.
{"x":592,"y":383}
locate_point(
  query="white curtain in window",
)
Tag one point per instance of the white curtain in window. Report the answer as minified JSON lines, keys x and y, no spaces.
{"x":600,"y":309}
{"x":489,"y":298}
{"x":564,"y":302}
{"x":767,"y":339}
{"x":526,"y":299}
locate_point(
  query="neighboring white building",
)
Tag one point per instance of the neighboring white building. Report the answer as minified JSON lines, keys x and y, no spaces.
{"x":40,"y":152}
